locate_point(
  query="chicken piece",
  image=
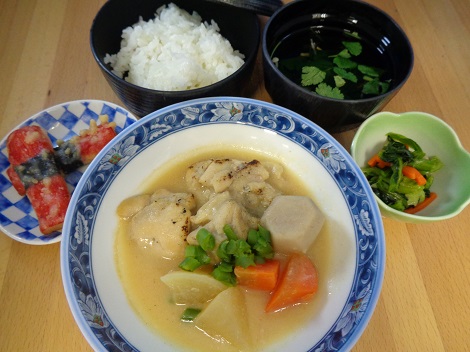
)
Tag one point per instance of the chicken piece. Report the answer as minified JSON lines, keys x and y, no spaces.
{"x":255,"y":196}
{"x":174,"y":197}
{"x":253,"y":170}
{"x":294,"y":223}
{"x":211,"y":176}
{"x":220,"y":172}
{"x":246,"y":182}
{"x":250,"y":188}
{"x":229,"y":212}
{"x":275,"y":170}
{"x":276,"y":173}
{"x":193,"y":174}
{"x":207,"y":211}
{"x":164,"y":224}
{"x":132,"y":205}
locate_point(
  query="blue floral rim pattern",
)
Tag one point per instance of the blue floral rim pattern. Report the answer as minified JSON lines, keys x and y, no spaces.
{"x":63,"y":121}
{"x":79,"y":283}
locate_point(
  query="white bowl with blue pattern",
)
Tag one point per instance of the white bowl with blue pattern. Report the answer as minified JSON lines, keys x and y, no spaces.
{"x":91,"y":281}
{"x":63,"y":121}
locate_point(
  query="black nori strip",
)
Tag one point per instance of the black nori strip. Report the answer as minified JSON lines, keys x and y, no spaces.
{"x":37,"y":169}
{"x":67,"y":157}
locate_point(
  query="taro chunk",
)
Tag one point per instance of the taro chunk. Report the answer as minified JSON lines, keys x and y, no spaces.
{"x":294,"y":223}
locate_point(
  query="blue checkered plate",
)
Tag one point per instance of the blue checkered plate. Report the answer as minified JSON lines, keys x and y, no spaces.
{"x":17,"y":218}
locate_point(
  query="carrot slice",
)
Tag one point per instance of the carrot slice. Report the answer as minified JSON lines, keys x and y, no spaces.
{"x":259,"y":277}
{"x":414,"y":174}
{"x":376,"y":161}
{"x":298,"y":283}
{"x":422,"y":205}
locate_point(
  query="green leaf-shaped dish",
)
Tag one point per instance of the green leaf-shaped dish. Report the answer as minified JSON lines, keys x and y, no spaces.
{"x":436,"y":137}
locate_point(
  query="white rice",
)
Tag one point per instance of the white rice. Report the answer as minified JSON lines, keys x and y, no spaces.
{"x":174,"y":51}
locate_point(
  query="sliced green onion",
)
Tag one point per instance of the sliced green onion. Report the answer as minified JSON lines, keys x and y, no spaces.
{"x":229,"y":232}
{"x":264,"y":233}
{"x":205,"y":239}
{"x":232,"y":252}
{"x":232,"y":247}
{"x":225,"y":267}
{"x":252,"y":237}
{"x":190,"y":314}
{"x":190,"y":264}
{"x":245,"y":260}
{"x":221,"y":274}
{"x":222,"y":251}
{"x":191,"y":251}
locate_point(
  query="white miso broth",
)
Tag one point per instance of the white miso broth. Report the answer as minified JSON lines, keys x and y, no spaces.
{"x":140,"y":270}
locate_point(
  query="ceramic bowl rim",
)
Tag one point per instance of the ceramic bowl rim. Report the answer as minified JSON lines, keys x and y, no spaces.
{"x":308,"y":92}
{"x":308,"y":125}
{"x":248,"y":60}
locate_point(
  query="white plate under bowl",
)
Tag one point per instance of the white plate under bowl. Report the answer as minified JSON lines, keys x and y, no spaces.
{"x":63,"y":121}
{"x":92,"y":285}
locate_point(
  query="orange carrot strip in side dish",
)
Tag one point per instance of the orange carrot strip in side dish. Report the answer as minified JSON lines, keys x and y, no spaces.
{"x":414,"y":174}
{"x":376,"y":161}
{"x":298,"y":283}
{"x":259,"y":277}
{"x":422,"y":205}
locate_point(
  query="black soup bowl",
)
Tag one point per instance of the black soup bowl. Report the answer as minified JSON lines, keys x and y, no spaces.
{"x":312,"y":26}
{"x":240,"y":27}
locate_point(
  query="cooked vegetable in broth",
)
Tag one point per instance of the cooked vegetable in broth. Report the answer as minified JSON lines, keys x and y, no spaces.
{"x":223,"y":251}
